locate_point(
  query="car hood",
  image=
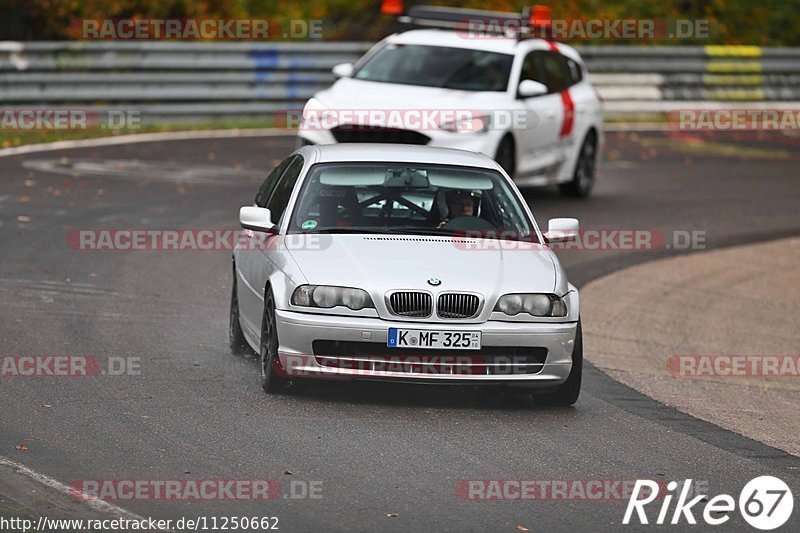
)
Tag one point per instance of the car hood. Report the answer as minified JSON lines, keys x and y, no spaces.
{"x":379,"y":263}
{"x":349,"y":93}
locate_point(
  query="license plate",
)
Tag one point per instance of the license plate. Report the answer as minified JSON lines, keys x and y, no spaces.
{"x":440,"y":340}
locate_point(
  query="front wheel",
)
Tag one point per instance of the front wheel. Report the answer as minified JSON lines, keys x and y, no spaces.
{"x":584,"y":176}
{"x":506,"y":156}
{"x":271,"y":381}
{"x":567,"y":394}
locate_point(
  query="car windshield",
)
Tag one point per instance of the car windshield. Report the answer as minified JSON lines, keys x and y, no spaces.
{"x":437,"y":66}
{"x":407,"y":198}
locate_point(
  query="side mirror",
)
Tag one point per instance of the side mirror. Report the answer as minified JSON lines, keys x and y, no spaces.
{"x":529,"y":88}
{"x":562,"y":230}
{"x":343,"y":70}
{"x":256,"y":218}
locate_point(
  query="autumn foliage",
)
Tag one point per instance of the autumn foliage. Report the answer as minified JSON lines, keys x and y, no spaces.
{"x":766,"y":22}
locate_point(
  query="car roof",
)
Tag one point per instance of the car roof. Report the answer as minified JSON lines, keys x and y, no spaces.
{"x":396,"y":153}
{"x":458,"y":39}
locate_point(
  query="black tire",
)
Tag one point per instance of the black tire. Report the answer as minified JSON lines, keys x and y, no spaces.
{"x":506,"y":155}
{"x":271,"y":382}
{"x":583,"y":177}
{"x":567,"y":394}
{"x":235,"y":334}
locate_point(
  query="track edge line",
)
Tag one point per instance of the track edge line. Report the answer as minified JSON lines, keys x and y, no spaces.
{"x":92,"y":502}
{"x":144,"y":137}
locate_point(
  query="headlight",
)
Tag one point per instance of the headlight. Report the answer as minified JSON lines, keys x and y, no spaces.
{"x":317,"y":115}
{"x":325,"y":296}
{"x":548,"y":305}
{"x":314,"y":108}
{"x":473,"y":124}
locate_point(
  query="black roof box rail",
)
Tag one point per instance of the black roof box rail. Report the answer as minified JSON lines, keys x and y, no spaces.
{"x":515,"y":25}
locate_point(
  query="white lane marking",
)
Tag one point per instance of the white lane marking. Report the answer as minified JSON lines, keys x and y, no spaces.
{"x":637,"y":126}
{"x":146,"y":137}
{"x":57,"y":286}
{"x":90,"y":501}
{"x":225,"y":134}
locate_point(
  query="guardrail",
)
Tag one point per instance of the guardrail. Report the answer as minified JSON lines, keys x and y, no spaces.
{"x":650,"y":79}
{"x":182,"y":80}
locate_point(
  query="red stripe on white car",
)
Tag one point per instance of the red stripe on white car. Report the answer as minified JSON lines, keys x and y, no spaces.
{"x":569,"y":113}
{"x":566,"y":100}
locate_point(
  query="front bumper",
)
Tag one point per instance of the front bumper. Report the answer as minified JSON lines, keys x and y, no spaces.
{"x":298,"y":331}
{"x":482,"y":142}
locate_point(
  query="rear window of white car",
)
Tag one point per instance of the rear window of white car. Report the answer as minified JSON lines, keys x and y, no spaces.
{"x":438,"y":66}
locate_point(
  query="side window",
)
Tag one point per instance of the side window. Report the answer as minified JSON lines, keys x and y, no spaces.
{"x":280,"y":195}
{"x":269,"y":183}
{"x":532,"y":68}
{"x":575,"y":71}
{"x":557,"y":71}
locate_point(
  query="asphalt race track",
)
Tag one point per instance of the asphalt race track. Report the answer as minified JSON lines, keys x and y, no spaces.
{"x":197,"y":412}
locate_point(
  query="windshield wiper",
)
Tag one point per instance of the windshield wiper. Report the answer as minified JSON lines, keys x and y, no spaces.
{"x":341,"y":230}
{"x":382,"y":231}
{"x":466,"y":234}
{"x":423,"y":231}
{"x":434,"y":232}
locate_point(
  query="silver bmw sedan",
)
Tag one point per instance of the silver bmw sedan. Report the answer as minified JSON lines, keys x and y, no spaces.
{"x":403,"y":263}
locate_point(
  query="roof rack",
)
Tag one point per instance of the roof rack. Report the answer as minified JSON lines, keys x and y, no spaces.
{"x":530,"y":23}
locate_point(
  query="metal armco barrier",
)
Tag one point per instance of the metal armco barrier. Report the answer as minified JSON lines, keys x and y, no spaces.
{"x":189,"y":80}
{"x":632,"y":79}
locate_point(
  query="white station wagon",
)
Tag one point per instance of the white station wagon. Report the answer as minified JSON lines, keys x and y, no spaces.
{"x":403,"y":263}
{"x":525,"y":102}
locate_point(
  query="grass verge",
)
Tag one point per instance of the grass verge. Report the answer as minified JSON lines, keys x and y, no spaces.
{"x":12,"y":138}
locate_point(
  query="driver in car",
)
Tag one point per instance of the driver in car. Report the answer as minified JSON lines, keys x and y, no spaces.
{"x":460,"y":203}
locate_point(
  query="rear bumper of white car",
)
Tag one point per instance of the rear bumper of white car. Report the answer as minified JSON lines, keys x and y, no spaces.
{"x":515,"y":354}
